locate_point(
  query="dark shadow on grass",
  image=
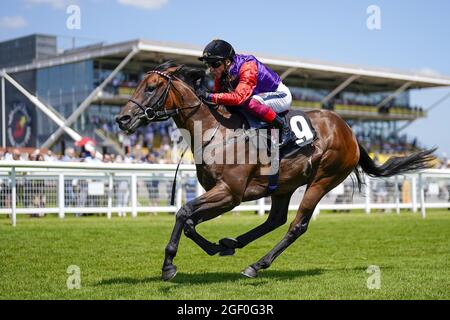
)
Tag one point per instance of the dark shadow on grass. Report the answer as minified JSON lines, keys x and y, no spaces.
{"x":216,"y":277}
{"x":264,"y":276}
{"x":359,"y":268}
{"x":127,"y":280}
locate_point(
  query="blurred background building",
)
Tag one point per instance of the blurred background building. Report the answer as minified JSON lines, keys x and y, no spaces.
{"x":85,"y":87}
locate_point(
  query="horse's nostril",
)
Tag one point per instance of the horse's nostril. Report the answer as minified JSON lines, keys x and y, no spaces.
{"x":123,"y":119}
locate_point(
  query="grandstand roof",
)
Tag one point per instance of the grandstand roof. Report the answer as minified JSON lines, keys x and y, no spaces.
{"x":323,"y":74}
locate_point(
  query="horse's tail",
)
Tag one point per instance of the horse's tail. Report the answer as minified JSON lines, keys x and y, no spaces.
{"x":395,"y":165}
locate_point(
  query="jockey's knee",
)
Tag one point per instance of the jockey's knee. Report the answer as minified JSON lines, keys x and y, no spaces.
{"x":261,"y":110}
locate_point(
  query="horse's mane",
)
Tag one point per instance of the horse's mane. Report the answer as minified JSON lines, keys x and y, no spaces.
{"x":194,"y":78}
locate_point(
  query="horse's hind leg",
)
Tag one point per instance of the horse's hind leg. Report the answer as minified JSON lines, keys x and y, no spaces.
{"x":315,"y":191}
{"x":277,"y":217}
{"x":209,"y":205}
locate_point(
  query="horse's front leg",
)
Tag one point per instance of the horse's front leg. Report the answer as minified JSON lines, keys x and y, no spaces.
{"x":208,"y":206}
{"x":277,"y":217}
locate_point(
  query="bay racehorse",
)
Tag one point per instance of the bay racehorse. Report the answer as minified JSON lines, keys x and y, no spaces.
{"x":169,"y":92}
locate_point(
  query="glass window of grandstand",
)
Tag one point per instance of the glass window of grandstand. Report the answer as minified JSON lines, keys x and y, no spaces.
{"x":62,"y":88}
{"x":124,"y":82}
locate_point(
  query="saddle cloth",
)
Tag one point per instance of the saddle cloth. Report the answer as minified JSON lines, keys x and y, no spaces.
{"x":300,"y":137}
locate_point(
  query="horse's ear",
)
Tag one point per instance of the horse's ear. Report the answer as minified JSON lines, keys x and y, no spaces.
{"x":190,"y":75}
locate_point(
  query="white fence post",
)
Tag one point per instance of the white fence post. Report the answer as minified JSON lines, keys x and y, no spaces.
{"x":261,"y":204}
{"x":61,"y":196}
{"x":397,"y":195}
{"x":414,"y":193}
{"x":316,"y":212}
{"x":3,"y":110}
{"x":13,"y":197}
{"x":179,"y":194}
{"x":110,"y":194}
{"x":422,"y":196}
{"x":367,"y":181}
{"x":134,"y":195}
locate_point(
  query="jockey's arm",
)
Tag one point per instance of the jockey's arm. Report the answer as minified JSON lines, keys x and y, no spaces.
{"x":247,"y":82}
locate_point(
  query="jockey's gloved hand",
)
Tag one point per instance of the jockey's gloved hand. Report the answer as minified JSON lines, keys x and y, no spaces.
{"x":203,"y":94}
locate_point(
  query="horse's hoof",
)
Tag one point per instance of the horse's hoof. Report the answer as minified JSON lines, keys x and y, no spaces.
{"x":229,"y":243}
{"x":250,"y":272}
{"x":227,"y":252}
{"x":169,"y":273}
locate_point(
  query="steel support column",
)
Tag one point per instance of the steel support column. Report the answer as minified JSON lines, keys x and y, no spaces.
{"x":50,"y":113}
{"x":287,"y":73}
{"x":339,"y":88}
{"x":394,"y":94}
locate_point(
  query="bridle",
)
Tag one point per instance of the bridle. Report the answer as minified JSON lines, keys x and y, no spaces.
{"x":157,"y":111}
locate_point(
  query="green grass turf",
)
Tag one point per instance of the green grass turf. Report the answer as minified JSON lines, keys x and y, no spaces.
{"x":122,"y":258}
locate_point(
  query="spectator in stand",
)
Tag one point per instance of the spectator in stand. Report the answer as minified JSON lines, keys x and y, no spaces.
{"x":69,"y":156}
{"x":36,"y":187}
{"x":119,"y":159}
{"x":107,"y":158}
{"x":122,"y":191}
{"x":128,"y":156}
{"x":165,"y":151}
{"x":92,"y":157}
{"x":152,"y":184}
{"x":20,"y":185}
{"x":70,"y":196}
{"x":16,"y":156}
{"x":50,"y":156}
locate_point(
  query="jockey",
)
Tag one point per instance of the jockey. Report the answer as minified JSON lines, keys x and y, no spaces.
{"x":242,"y":80}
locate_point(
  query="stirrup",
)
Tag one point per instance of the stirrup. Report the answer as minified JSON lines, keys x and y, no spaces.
{"x":286,"y":137}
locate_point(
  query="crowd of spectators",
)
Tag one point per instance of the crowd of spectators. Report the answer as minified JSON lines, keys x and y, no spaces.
{"x":130,"y":81}
{"x":38,"y":193}
{"x":391,"y":144}
{"x":161,"y":155}
{"x":311,"y":96}
{"x":153,"y":144}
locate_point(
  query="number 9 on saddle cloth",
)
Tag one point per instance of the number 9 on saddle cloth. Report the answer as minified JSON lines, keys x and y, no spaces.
{"x":301,"y":130}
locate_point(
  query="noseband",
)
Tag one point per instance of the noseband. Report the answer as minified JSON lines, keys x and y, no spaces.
{"x":158,"y":111}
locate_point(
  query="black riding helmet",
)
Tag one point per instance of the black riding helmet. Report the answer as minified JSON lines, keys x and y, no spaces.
{"x":217,"y":50}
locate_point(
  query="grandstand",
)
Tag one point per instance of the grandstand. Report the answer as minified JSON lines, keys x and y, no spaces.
{"x":53,"y":98}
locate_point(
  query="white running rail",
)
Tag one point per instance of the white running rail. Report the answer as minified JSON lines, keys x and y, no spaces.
{"x":38,"y":188}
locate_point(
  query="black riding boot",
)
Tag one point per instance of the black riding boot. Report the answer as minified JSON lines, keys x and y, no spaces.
{"x":285,"y":132}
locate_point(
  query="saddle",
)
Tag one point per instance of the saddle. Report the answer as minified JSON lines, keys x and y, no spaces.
{"x":297,"y":139}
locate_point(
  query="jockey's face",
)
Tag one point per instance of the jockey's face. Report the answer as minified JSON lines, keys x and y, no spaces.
{"x":217,"y":70}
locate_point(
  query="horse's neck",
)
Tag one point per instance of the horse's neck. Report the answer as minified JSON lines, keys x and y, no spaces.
{"x":199,"y":121}
{"x":196,"y":122}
